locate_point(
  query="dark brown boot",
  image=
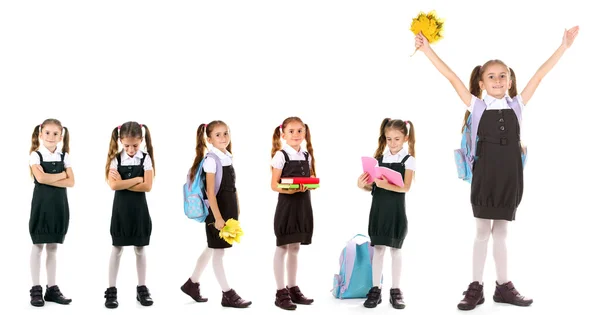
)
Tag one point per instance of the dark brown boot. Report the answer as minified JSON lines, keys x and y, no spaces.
{"x":396,"y":299}
{"x":506,"y":293}
{"x":193,"y":290}
{"x":36,"y":296}
{"x":373,"y":298}
{"x":284,"y":300}
{"x":298,"y":297}
{"x":473,"y":297}
{"x":232,"y":299}
{"x":53,"y":294}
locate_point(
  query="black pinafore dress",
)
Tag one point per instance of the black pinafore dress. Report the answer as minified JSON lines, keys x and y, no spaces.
{"x":388,"y":224}
{"x":293,"y":221}
{"x":49,"y":218}
{"x":130,"y":224}
{"x":497,"y":186}
{"x":228,"y":206}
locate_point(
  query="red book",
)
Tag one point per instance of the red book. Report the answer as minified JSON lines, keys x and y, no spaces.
{"x":300,"y":180}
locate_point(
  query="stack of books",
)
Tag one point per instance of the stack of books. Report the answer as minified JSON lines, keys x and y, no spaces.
{"x":294,"y":182}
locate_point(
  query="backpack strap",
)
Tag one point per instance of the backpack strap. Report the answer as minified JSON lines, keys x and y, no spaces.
{"x":478,"y":109}
{"x":516,"y":107}
{"x":40,"y":155}
{"x":218,"y":170}
{"x":350,"y":254}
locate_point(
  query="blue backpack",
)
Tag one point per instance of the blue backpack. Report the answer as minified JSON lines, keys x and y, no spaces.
{"x":195,"y":200}
{"x":355,"y":278}
{"x":466,"y":155}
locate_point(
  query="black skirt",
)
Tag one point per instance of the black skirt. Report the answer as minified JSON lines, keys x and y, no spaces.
{"x":228,"y":207}
{"x":497,"y":186}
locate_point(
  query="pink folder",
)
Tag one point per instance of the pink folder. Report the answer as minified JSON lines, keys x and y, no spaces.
{"x":371,"y":166}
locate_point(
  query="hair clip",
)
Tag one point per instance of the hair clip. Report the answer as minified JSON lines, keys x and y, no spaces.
{"x":141,"y":125}
{"x":280,"y":126}
{"x":119,"y":127}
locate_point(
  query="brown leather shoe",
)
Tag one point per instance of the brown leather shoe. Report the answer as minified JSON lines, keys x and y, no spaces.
{"x":232,"y":299}
{"x":298,"y":297}
{"x":506,"y":293}
{"x":284,"y":300}
{"x":473,"y":297}
{"x":193,"y":290}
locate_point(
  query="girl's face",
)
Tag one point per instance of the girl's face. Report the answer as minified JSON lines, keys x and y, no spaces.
{"x":51,"y":136}
{"x":293,"y":134}
{"x":395,"y":140}
{"x":219,"y":137}
{"x":131,"y":145}
{"x":495,"y":80}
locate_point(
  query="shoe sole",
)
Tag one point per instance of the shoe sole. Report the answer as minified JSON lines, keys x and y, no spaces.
{"x":287,"y":309}
{"x":144,"y":304}
{"x":199,"y":301}
{"x":58,"y":302}
{"x":111,"y":306}
{"x":500,"y":300}
{"x":37,"y":305}
{"x":465,"y":307}
{"x":244,"y":306}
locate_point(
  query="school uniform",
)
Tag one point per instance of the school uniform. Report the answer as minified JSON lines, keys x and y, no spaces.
{"x":226,"y":197}
{"x":497,"y":185}
{"x":388,"y":224}
{"x":49,"y":217}
{"x":131,"y":224}
{"x":293,"y":222}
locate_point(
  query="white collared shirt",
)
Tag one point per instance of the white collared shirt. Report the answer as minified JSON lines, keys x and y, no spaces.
{"x":127,"y":160}
{"x":496,"y":103}
{"x":48,"y":156}
{"x":388,"y":157}
{"x":278,"y":160}
{"x":210,"y":165}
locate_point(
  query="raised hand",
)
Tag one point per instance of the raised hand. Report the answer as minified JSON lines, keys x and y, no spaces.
{"x":569,"y":36}
{"x":421,"y":42}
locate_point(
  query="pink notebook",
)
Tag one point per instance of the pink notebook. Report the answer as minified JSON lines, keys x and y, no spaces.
{"x":371,"y":166}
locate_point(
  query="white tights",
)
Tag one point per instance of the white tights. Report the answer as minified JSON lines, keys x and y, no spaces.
{"x":217,"y":263}
{"x":499,"y":231}
{"x":35,"y":262}
{"x":379,"y":253}
{"x":115,"y":260}
{"x":291,"y":250}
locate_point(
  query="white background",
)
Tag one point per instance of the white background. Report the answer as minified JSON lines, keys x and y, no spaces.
{"x":176,"y":64}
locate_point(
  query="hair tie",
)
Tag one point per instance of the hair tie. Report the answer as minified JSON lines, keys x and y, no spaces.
{"x":280,"y":126}
{"x":142,"y":125}
{"x":119,"y":127}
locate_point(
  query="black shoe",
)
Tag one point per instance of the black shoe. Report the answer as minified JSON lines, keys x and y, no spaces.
{"x":396,"y":299}
{"x":143,"y":295}
{"x":373,"y":298}
{"x":53,"y":294}
{"x":111,"y":298}
{"x":36,"y":296}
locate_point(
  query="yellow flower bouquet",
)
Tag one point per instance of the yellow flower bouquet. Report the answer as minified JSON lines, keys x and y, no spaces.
{"x":430,"y":25}
{"x":231,"y":231}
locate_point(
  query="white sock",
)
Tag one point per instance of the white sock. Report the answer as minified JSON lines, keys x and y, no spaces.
{"x":35,"y":262}
{"x":499,"y":233}
{"x":480,"y":247}
{"x":201,"y":264}
{"x":292,"y":263}
{"x":51,"y":263}
{"x":113,"y":265}
{"x":278,"y":266}
{"x":219,"y":269}
{"x":378,"y":254}
{"x":396,"y":267}
{"x":140,"y":264}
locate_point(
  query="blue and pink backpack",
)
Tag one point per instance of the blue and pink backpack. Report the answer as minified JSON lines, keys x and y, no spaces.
{"x":355,"y":277}
{"x":195,"y":199}
{"x":466,"y":155}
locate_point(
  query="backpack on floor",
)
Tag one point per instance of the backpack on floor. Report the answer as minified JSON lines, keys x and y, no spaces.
{"x":466,"y":156}
{"x":355,"y":278}
{"x":195,"y":200}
